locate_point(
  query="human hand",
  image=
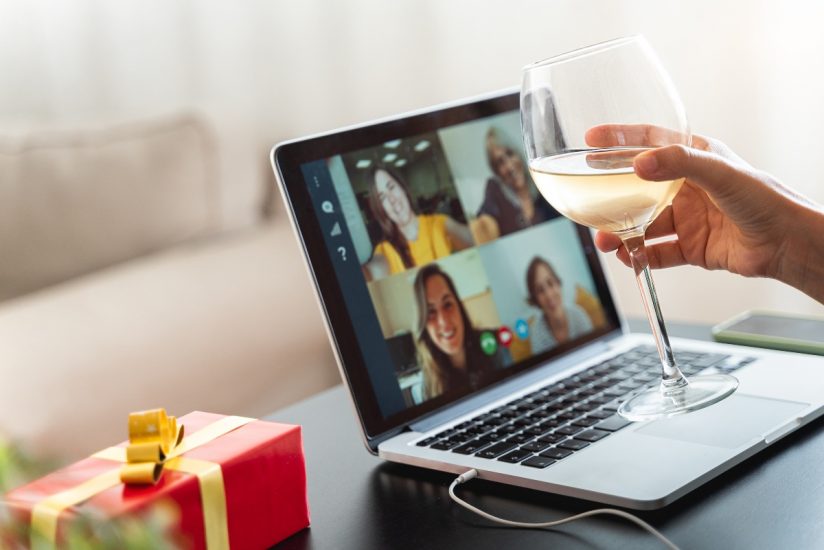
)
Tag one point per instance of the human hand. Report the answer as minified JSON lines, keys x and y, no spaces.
{"x":727,"y":215}
{"x":376,"y":268}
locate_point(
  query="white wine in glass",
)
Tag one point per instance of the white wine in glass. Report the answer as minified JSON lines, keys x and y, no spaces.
{"x":603,"y":191}
{"x":585,"y":116}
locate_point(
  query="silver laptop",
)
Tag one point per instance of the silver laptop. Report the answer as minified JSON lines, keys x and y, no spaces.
{"x":475,"y":328}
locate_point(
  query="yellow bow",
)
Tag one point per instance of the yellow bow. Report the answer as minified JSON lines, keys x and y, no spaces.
{"x":153,"y":435}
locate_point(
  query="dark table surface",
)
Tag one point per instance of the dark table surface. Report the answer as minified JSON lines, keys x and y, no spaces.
{"x":772,"y":500}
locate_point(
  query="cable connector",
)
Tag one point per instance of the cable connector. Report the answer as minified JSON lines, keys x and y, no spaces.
{"x":466,"y":476}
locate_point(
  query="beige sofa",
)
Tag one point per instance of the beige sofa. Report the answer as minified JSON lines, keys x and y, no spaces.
{"x":124,"y":287}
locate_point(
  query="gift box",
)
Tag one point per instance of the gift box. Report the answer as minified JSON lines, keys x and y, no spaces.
{"x":237,"y":482}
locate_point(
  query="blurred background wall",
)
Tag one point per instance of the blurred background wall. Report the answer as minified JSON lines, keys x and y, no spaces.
{"x":749,"y":71}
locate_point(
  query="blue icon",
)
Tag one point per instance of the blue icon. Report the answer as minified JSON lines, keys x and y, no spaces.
{"x":522,"y":329}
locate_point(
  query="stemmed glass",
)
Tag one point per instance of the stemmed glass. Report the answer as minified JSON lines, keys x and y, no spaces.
{"x":585,"y":116}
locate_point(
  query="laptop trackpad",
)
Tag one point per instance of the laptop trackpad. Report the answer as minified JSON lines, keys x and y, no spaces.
{"x":737,"y":420}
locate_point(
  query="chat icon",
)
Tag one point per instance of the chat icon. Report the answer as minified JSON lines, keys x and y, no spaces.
{"x":327,"y":207}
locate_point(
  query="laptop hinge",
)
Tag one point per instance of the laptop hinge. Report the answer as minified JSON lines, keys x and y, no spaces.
{"x":509,"y":387}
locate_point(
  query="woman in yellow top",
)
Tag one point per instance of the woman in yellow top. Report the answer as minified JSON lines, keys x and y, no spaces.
{"x":409,"y":239}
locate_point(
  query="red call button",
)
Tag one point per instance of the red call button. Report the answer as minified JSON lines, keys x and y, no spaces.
{"x":504,"y":336}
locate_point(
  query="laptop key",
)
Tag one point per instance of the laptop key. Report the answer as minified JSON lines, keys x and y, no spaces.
{"x":614,"y":392}
{"x":521,"y":438}
{"x":592,"y":436}
{"x":506,"y":412}
{"x":496,"y":450}
{"x":584,"y":407}
{"x":613,"y":423}
{"x":573,"y":444}
{"x":477,"y":429}
{"x":427,"y":442}
{"x":600,"y":415}
{"x":471,"y":447}
{"x":551,"y":438}
{"x":550,"y":423}
{"x":589,"y":391}
{"x":446,"y":433}
{"x":585,"y":422}
{"x":515,"y":456}
{"x":535,"y":446}
{"x":538,"y":462}
{"x":509,"y":429}
{"x":540,"y":414}
{"x":523,"y":405}
{"x":598,"y":401}
{"x":569,"y":430}
{"x":555,"y":453}
{"x":444,"y":445}
{"x":535,"y":431}
{"x":462,"y":437}
{"x":603,"y":368}
{"x":494,"y":436}
{"x":496,"y":421}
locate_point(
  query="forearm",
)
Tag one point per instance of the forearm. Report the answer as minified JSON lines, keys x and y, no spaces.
{"x":802,"y":266}
{"x":459,"y":234}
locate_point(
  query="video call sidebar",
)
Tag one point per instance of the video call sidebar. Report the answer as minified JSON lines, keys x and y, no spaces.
{"x":356,"y":297}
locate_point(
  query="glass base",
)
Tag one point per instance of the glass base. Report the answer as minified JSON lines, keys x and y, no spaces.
{"x":658,"y":402}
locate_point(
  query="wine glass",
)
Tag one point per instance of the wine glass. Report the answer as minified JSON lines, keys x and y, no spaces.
{"x":585,"y":116}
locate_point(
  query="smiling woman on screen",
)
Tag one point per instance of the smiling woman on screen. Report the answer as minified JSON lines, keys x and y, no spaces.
{"x":409,"y":239}
{"x":557,"y":322}
{"x":451,"y":350}
{"x":511,"y":201}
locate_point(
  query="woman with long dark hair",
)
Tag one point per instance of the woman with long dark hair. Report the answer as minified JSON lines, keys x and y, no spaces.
{"x":409,"y":239}
{"x":450,"y":348}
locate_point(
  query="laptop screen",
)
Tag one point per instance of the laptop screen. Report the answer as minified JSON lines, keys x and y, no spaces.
{"x":441,"y":269}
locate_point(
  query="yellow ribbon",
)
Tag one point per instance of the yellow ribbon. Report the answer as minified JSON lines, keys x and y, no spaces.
{"x":152,"y":437}
{"x":45,"y":514}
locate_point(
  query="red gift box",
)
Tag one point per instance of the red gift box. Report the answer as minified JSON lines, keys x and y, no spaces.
{"x":260,"y":500}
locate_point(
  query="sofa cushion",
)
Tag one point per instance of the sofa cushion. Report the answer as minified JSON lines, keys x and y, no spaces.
{"x":73,"y":202}
{"x":227,"y":324}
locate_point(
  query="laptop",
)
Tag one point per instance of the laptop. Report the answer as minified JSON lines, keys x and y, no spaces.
{"x":475,"y":327}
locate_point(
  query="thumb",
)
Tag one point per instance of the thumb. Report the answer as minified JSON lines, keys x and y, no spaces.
{"x":731,"y":187}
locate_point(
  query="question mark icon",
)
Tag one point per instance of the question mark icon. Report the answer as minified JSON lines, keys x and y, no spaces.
{"x":342,"y":252}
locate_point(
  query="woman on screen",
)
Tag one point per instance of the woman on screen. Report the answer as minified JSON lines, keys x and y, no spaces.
{"x":511,"y":202}
{"x":557,"y":322}
{"x":452,"y":351}
{"x":409,"y":238}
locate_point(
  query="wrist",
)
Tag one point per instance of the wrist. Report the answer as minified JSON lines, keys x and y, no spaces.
{"x":802,"y":266}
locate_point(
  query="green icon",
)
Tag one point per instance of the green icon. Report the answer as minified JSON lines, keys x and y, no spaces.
{"x":489,"y":344}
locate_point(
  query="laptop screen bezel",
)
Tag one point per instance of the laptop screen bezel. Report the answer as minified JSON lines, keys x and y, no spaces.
{"x":290,"y":156}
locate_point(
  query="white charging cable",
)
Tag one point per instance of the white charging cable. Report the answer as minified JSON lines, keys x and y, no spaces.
{"x":471,"y":474}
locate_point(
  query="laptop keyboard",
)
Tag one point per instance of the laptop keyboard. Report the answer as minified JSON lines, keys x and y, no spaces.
{"x":554,"y":422}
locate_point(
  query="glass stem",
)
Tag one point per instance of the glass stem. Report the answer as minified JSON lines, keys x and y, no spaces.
{"x":673,"y":380}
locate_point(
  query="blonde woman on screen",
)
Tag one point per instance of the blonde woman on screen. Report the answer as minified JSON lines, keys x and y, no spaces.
{"x":511,"y":201}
